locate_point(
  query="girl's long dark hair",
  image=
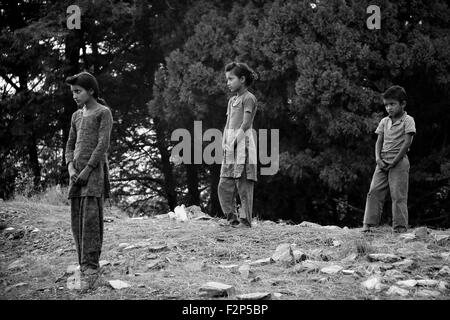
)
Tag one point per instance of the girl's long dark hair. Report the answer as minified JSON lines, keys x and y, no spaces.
{"x":87,"y":81}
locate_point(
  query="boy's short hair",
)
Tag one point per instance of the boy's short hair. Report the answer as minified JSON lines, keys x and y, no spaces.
{"x":242,"y":70}
{"x":395,"y":93}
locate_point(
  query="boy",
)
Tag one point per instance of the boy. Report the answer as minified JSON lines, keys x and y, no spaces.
{"x":395,"y":135}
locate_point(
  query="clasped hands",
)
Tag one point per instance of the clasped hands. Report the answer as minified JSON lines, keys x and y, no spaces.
{"x":79,"y":179}
{"x":385,"y":165}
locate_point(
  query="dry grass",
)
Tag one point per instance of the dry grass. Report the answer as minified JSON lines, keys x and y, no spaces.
{"x":196,"y":249}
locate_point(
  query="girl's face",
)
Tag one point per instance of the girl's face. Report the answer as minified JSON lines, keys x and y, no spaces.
{"x":80,"y":95}
{"x":233,"y":82}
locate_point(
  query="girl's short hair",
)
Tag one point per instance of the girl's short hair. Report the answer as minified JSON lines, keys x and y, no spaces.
{"x":242,"y":70}
{"x":396,"y":93}
{"x":85,"y":80}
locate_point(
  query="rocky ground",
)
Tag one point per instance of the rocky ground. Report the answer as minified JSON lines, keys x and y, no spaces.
{"x":163,"y":258}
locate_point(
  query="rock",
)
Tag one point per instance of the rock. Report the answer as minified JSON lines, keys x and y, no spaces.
{"x":333,"y":228}
{"x":349,"y":272}
{"x":216,"y":289}
{"x":405,"y":252}
{"x":281,"y":250}
{"x":445,"y":271}
{"x":350,"y":258}
{"x":74,"y":282}
{"x":405,"y":264}
{"x":122,"y":246}
{"x":331,"y":269}
{"x":180,"y":214}
{"x":372,"y":283}
{"x":254,"y":296}
{"x":337,"y":243}
{"x":261,"y":262}
{"x":427,"y":283}
{"x":137,"y":218}
{"x":443,"y":285}
{"x":299,"y":255}
{"x":307,"y":266}
{"x":428,"y":293}
{"x":156,"y":265}
{"x":17,"y":265}
{"x":194,"y":212}
{"x":394,"y":274}
{"x":72,"y":269}
{"x":255,"y":279}
{"x":205,"y":217}
{"x":442,"y":239}
{"x":408,"y":237}
{"x":195,"y":266}
{"x":277,"y":295}
{"x":104,"y":263}
{"x":158,"y":248}
{"x":130,"y":247}
{"x":309,"y":224}
{"x":245,"y":272}
{"x":445,"y":255}
{"x":15,"y":286}
{"x":421,"y":233}
{"x":9,"y":230}
{"x":118,"y":284}
{"x":108,"y":219}
{"x":162,"y":216}
{"x":35,"y":230}
{"x":231,"y":267}
{"x":383,"y":257}
{"x":396,"y":291}
{"x":407,"y":283}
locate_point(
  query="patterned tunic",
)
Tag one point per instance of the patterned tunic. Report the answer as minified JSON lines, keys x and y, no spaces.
{"x":88,"y":144}
{"x":233,"y":165}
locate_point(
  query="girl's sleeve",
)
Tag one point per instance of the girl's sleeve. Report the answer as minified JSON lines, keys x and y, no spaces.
{"x":104,"y":134}
{"x":70,"y":145}
{"x":249,"y":104}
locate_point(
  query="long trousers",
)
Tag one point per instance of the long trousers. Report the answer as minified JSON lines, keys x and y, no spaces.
{"x":227,"y":192}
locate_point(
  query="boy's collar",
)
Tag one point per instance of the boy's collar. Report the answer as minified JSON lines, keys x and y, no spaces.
{"x":401,"y":118}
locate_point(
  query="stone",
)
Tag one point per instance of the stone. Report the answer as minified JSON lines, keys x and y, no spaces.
{"x":244,"y":271}
{"x":383,"y":257}
{"x":445,"y":271}
{"x":156,"y":265}
{"x":158,"y":248}
{"x":261,"y":262}
{"x":421,"y":233}
{"x":407,"y":283}
{"x":349,"y":272}
{"x":334,"y":269}
{"x":396,"y":291}
{"x":307,"y":266}
{"x":15,"y":286}
{"x":255,"y":279}
{"x":104,"y":263}
{"x":350,"y":258}
{"x":428,"y":293}
{"x":254,"y":296}
{"x":122,"y":246}
{"x":443,"y":285}
{"x":405,"y":264}
{"x":337,"y":243}
{"x":442,"y":239}
{"x":216,"y":289}
{"x":281,"y":250}
{"x":108,"y":219}
{"x":407,"y":237}
{"x":309,"y":224}
{"x":372,"y":283}
{"x":72,"y":269}
{"x":332,"y":228}
{"x":445,"y":255}
{"x":277,"y":295}
{"x":35,"y":230}
{"x":74,"y":282}
{"x":299,"y":255}
{"x":118,"y":284}
{"x":405,"y":252}
{"x":17,"y":265}
{"x":394,"y":274}
{"x":427,"y":283}
{"x":231,"y":267}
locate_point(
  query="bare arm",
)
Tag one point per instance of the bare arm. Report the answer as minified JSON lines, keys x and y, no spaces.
{"x":378,"y":148}
{"x":70,"y":146}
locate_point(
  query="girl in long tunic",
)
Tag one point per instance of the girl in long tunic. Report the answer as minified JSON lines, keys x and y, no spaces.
{"x":86,"y":158}
{"x":238,"y":171}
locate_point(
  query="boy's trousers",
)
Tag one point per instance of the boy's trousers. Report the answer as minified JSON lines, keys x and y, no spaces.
{"x":396,"y":181}
{"x":227,"y":192}
{"x":87,"y":228}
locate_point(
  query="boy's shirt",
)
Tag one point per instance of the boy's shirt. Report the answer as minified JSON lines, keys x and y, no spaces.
{"x":233,"y":165}
{"x":394,"y":133}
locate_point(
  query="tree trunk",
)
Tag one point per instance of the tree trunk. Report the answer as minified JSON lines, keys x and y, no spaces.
{"x":166,"y":167}
{"x":192,"y":183}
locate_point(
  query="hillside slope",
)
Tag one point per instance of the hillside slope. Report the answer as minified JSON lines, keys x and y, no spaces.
{"x":165,"y":259}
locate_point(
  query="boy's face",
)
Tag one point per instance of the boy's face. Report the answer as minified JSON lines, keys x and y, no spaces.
{"x":233,"y":82}
{"x":80,"y":95}
{"x":393,"y":107}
